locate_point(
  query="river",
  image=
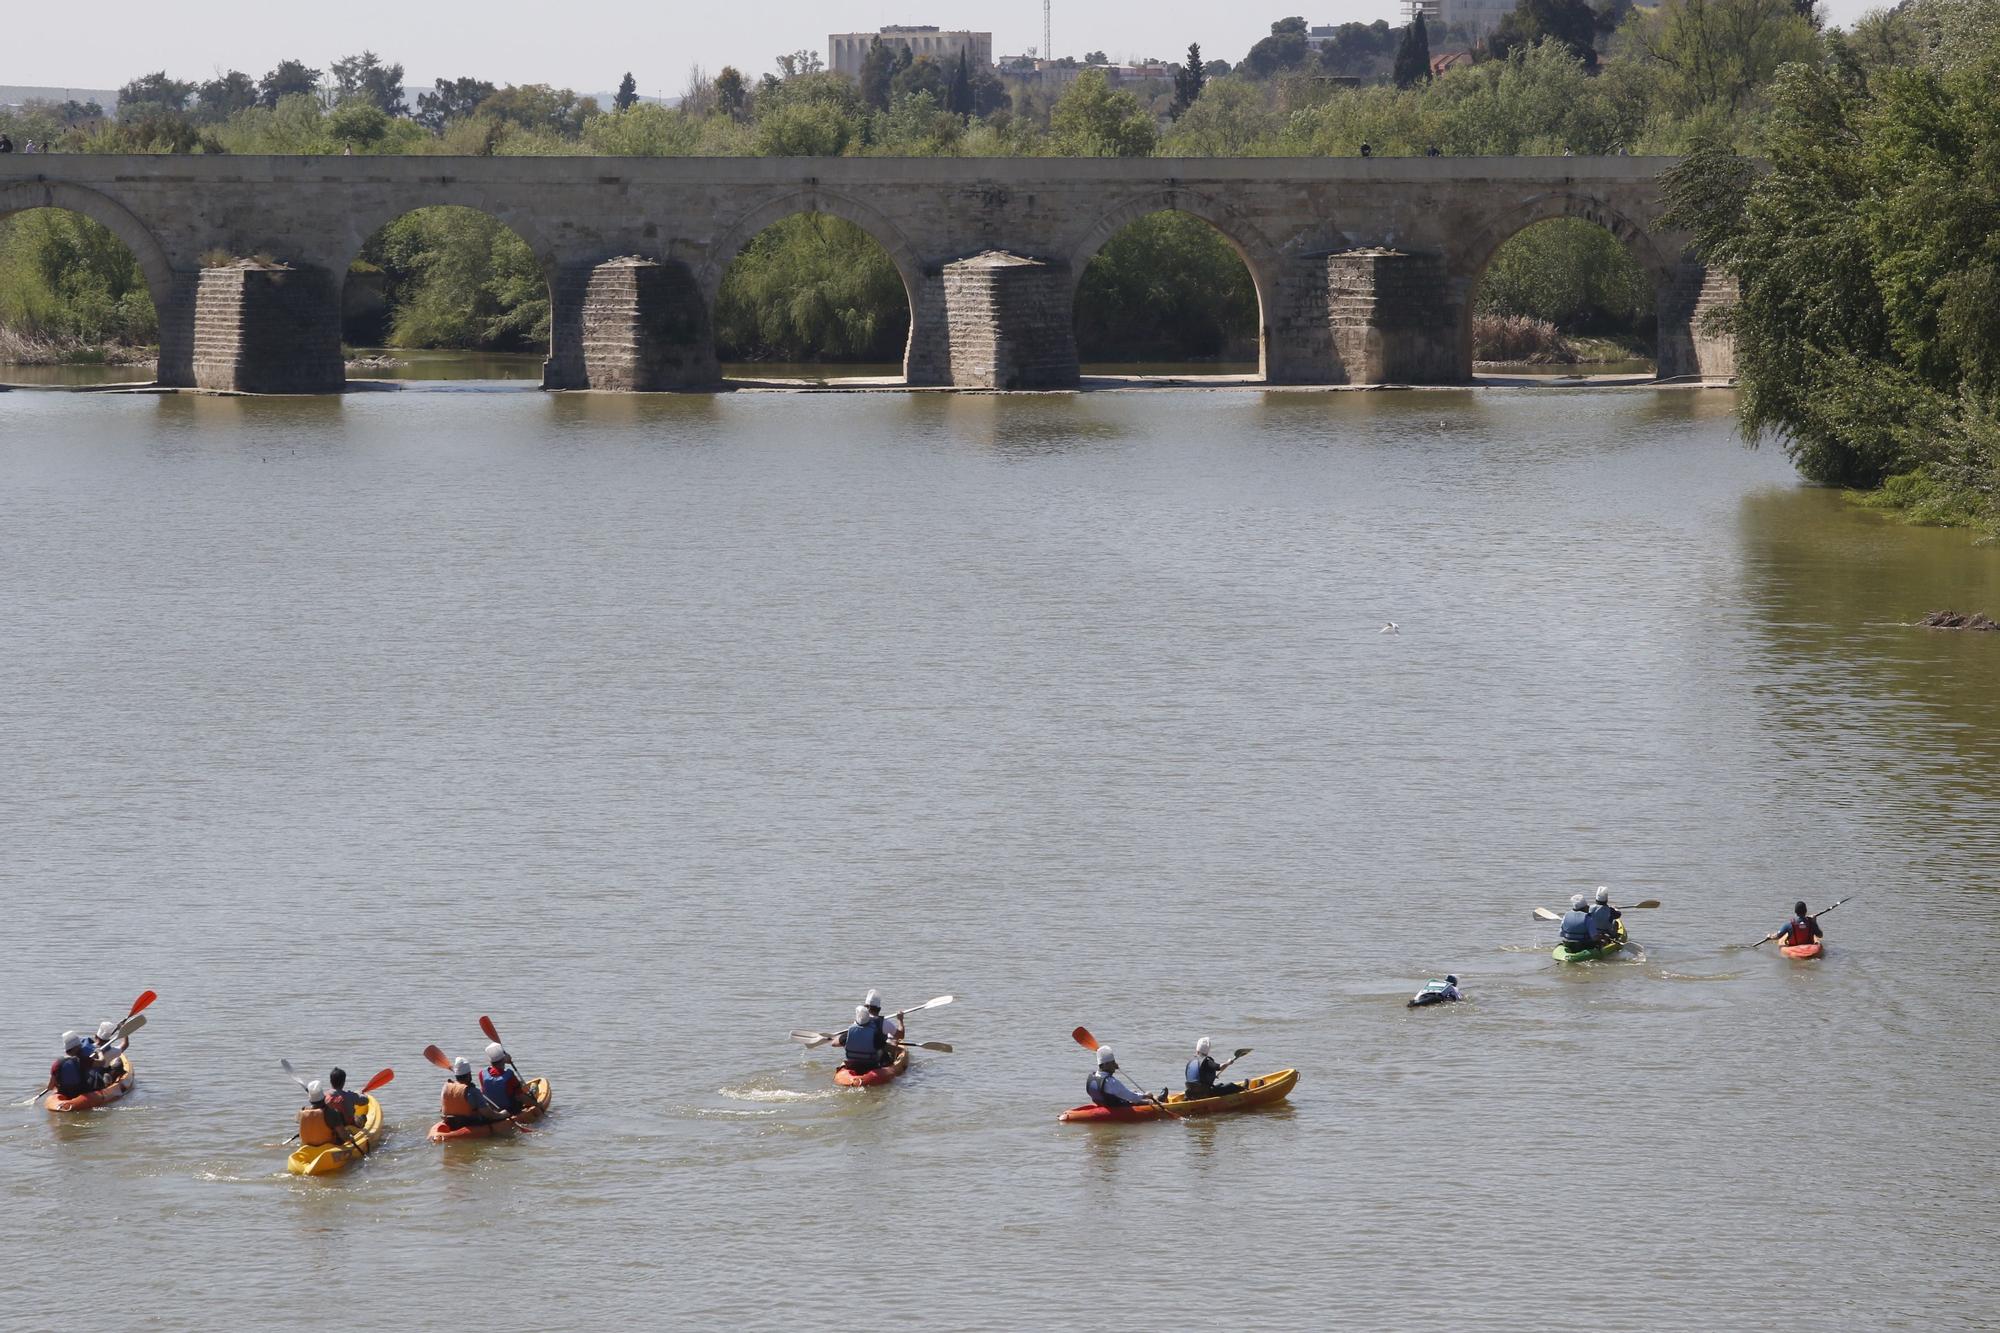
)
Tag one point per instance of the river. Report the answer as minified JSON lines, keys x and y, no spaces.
{"x":657,"y":727}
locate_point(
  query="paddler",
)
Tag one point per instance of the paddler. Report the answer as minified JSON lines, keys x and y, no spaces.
{"x":344,"y":1103}
{"x":106,"y":1050}
{"x":1202,"y":1072}
{"x":69,"y":1073}
{"x":500,"y":1085}
{"x":892,"y":1026}
{"x":320,"y":1124}
{"x":1604,"y":918}
{"x":461,"y":1103}
{"x":1106,"y":1088}
{"x":866,"y":1042}
{"x":1575,"y":927}
{"x":1437,"y":992}
{"x":1803,"y":928}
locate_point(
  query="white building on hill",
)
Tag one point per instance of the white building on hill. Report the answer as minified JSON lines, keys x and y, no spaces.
{"x":846,"y":50}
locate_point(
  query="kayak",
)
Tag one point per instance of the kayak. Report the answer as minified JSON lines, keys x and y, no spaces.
{"x":847,"y":1078}
{"x":90,"y":1101}
{"x":326,"y":1158}
{"x":1265,"y":1091}
{"x":1812,"y":950}
{"x":1565,"y":954}
{"x":539,"y":1095}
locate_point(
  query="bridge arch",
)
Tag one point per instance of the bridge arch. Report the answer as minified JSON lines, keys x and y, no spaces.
{"x":21,"y":196}
{"x":371,"y":222}
{"x":1257,"y":253}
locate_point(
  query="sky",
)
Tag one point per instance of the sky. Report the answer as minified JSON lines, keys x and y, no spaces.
{"x":587,"y":47}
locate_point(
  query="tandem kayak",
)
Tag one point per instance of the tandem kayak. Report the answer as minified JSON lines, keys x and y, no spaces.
{"x":323,"y":1159}
{"x":1265,"y":1091}
{"x":90,"y":1101}
{"x":1813,"y":950}
{"x":847,"y":1078}
{"x":539,"y":1096}
{"x":1563,"y":953}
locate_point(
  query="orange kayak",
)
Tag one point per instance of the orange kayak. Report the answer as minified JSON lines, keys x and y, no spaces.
{"x":1258,"y":1092}
{"x":90,"y":1101}
{"x":847,"y":1078}
{"x":538,"y":1106}
{"x":1813,"y":950}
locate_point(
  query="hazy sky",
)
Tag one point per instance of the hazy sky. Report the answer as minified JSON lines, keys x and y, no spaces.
{"x":588,"y":46}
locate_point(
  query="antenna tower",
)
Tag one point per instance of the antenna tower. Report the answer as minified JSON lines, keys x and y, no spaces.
{"x":1048,"y":47}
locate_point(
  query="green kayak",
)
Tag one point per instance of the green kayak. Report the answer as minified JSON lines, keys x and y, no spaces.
{"x":1565,"y":954}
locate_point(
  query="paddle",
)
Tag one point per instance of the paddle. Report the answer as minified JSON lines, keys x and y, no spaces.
{"x":346,"y":1137}
{"x":1232,"y":1059}
{"x":145,"y":998}
{"x":938,"y":1003}
{"x":1544,"y":914}
{"x":1083,"y":1038}
{"x":443,"y":1061}
{"x":812,"y":1039}
{"x":1816,"y":916}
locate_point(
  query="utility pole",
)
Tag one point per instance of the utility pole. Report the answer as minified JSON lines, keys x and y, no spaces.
{"x":1048,"y":48}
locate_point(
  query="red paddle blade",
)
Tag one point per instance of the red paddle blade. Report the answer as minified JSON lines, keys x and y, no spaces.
{"x":145,"y":998}
{"x":438,"y":1058}
{"x":486,"y":1026}
{"x":1084,"y":1039}
{"x":377,"y":1081}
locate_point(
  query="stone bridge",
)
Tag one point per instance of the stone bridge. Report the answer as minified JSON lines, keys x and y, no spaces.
{"x":1365,"y":269}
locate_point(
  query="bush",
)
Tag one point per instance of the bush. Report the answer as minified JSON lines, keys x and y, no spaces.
{"x":812,"y":288}
{"x":1520,"y":339}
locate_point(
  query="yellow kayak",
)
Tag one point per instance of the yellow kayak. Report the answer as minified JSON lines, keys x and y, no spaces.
{"x":325,"y":1159}
{"x":1257,"y":1092}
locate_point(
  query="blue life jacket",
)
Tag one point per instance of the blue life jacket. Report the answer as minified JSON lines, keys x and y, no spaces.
{"x":1094,"y":1085}
{"x":72,"y":1076}
{"x":1603,"y":922}
{"x":864,"y":1041}
{"x":1201,"y":1072}
{"x":1576,"y":928}
{"x":498,"y":1090}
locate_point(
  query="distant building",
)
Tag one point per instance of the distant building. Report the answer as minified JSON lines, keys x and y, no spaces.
{"x":1056,"y":75}
{"x":846,"y":50}
{"x":1472,"y":18}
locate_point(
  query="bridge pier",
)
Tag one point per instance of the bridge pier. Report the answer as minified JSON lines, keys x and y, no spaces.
{"x":630,"y":324}
{"x":1010,"y":323}
{"x":263,"y":328}
{"x":1394,"y":317}
{"x":173,"y":310}
{"x":1686,"y":348}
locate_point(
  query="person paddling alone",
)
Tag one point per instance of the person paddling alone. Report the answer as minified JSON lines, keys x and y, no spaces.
{"x":866,"y":1042}
{"x":1202,"y":1072}
{"x":1802,"y":929}
{"x":1437,"y":992}
{"x":1105,"y":1086}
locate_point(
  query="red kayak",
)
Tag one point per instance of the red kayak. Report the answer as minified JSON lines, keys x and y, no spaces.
{"x":1813,"y":950}
{"x":539,"y":1095}
{"x":847,"y":1078}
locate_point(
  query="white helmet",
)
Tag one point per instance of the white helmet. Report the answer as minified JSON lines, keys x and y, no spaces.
{"x":105,"y":1029}
{"x":496,"y":1054}
{"x":1576,"y":902}
{"x":315,"y":1092}
{"x":462,"y":1067}
{"x":1603,"y":894}
{"x":1105,"y":1059}
{"x":72,"y":1040}
{"x":861,"y":1013}
{"x":874,"y":1000}
{"x":1201,"y":1047}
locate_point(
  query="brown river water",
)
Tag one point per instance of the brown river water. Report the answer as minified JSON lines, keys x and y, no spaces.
{"x":657,"y":727}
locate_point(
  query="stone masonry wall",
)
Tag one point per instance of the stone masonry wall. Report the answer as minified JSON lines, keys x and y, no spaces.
{"x":267,"y":328}
{"x":1392,"y":317}
{"x":1010,"y":323}
{"x":644,"y":329}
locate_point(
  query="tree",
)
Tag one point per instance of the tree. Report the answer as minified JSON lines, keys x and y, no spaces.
{"x":879,"y":69}
{"x":358,"y":123}
{"x":959,"y":101}
{"x":1188,"y":80}
{"x":1096,"y":58}
{"x":923,"y":75}
{"x":1286,"y":48}
{"x":628,"y":93}
{"x":796,"y":63}
{"x":1093,"y":121}
{"x":291,"y":78}
{"x":536,"y":107}
{"x":1413,"y":57}
{"x":366,"y":78}
{"x":1717,"y":54}
{"x":732,"y":97}
{"x":989,"y":94}
{"x":152,"y":95}
{"x":1572,"y":23}
{"x":451,"y":100}
{"x":220,"y":98}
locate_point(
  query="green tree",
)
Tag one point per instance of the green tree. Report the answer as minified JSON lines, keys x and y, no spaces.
{"x":65,"y":277}
{"x":922,"y":75}
{"x":1574,"y":274}
{"x":804,"y":129}
{"x":628,"y":93}
{"x":1188,"y":81}
{"x":812,"y":288}
{"x":879,"y":69}
{"x":1285,"y":49}
{"x":1093,"y":121}
{"x":291,"y":78}
{"x":960,"y":102}
{"x":1570,"y":23}
{"x":1413,"y":57}
{"x":224,"y":96}
{"x":358,"y":124}
{"x":1166,"y":288}
{"x":538,"y":108}
{"x":365,"y":78}
{"x":1096,"y":58}
{"x":732,"y":98}
{"x":451,"y":100}
{"x":1230,"y":119}
{"x":456,"y":277}
{"x":1717,"y":54}
{"x":153,"y":95}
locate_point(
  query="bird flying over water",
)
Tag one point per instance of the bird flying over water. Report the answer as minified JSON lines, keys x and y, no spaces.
{"x":1388,"y":627}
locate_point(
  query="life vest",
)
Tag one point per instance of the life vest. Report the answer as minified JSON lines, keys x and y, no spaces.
{"x":502,"y":1088}
{"x":864,"y":1041}
{"x":457,"y":1100}
{"x":346,"y":1103}
{"x":1201,"y":1072}
{"x":314,"y":1132}
{"x":1094,"y":1085}
{"x":1576,"y":928}
{"x":1603,"y":921}
{"x":1801,"y":931}
{"x":70,"y":1075}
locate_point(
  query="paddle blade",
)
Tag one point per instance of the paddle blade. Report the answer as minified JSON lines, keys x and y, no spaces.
{"x":492,"y":1033}
{"x":941,"y":1047}
{"x":1650,"y":902}
{"x":438,"y":1058}
{"x":1544,"y":914}
{"x":145,"y":998}
{"x":286,"y":1065}
{"x":131,"y":1025}
{"x":1240,"y":1054}
{"x":938,"y":1003}
{"x":380,"y":1080}
{"x":1083,"y":1038}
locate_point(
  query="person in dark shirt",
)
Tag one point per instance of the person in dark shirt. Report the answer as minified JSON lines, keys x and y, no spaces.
{"x":1202,"y":1072}
{"x":1803,"y":928}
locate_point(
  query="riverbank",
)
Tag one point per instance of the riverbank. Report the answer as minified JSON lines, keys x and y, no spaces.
{"x":18,"y":348}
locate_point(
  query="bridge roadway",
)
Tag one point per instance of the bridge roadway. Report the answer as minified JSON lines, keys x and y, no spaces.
{"x":1365,"y":268}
